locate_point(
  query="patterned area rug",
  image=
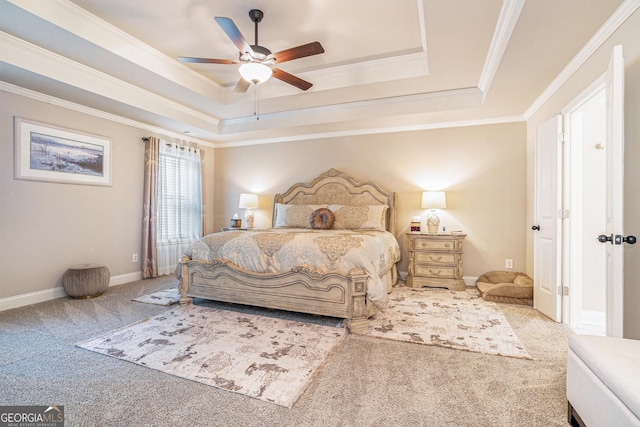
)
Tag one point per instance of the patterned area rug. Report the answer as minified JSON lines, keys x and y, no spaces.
{"x":263,"y":357}
{"x":165,"y":297}
{"x":460,"y":320}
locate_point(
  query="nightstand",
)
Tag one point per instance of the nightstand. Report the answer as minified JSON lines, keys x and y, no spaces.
{"x":242,"y":229}
{"x":435,"y":260}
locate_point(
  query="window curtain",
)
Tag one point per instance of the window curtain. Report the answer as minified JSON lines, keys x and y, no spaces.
{"x":179,"y":203}
{"x":173,"y":205}
{"x":203,"y":181}
{"x":149,"y":206}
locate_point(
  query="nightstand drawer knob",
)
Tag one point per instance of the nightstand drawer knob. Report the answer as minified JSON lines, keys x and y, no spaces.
{"x":432,"y":258}
{"x":446,"y":245}
{"x":435,"y":273}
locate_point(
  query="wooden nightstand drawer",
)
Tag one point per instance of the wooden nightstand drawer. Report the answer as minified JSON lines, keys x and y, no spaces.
{"x":437,"y":245}
{"x":426,"y":257}
{"x":435,"y":271}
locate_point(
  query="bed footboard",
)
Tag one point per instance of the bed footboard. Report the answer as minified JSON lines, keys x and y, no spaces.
{"x":301,"y":289}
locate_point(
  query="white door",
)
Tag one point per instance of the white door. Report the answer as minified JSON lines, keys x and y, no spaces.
{"x":615,"y":173}
{"x":547,"y":200}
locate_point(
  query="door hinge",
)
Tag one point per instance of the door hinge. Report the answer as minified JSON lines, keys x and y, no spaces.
{"x":563,"y":290}
{"x":563,"y":137}
{"x":563,"y":213}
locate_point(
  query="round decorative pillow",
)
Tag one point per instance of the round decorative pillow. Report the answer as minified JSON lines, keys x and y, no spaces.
{"x":322,"y":219}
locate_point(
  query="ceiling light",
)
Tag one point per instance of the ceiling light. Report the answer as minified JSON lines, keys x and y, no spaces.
{"x":255,"y":72}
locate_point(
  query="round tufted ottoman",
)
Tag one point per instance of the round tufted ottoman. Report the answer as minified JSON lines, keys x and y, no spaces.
{"x":506,"y":286}
{"x":86,"y":280}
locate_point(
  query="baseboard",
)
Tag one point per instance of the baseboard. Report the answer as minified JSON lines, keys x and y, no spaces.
{"x":125,"y":278}
{"x":31,"y":298}
{"x":470,"y":280}
{"x":22,"y":300}
{"x":591,"y":323}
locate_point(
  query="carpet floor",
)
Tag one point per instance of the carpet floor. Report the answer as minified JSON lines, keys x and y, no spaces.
{"x":365,"y":382}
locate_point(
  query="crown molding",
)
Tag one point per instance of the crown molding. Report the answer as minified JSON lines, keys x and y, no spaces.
{"x":397,"y":105}
{"x":37,"y":96}
{"x":373,"y":131}
{"x":509,"y":15}
{"x":78,"y":21}
{"x":402,"y":65}
{"x":423,"y":33}
{"x":52,"y":100}
{"x":27,"y":56}
{"x":614,"y":22}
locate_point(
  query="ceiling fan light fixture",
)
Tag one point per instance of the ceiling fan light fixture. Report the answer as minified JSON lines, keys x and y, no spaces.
{"x":255,"y":72}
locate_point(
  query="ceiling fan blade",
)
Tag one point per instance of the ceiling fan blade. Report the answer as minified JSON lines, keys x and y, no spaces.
{"x":242,"y":86}
{"x":207,"y":60}
{"x":291,"y":79}
{"x":302,"y":51}
{"x":234,"y":34}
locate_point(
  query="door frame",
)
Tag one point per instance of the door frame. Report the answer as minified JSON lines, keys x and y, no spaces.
{"x":614,"y":76}
{"x":615,"y":188}
{"x":571,"y":229}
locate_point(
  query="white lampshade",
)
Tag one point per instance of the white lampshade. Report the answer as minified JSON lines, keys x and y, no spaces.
{"x":248,"y":201}
{"x":255,"y":72}
{"x":434,"y":200}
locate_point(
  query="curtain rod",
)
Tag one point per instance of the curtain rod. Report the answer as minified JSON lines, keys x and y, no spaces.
{"x":145,"y":139}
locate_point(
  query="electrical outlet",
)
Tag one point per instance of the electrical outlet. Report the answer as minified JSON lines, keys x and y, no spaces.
{"x":134,"y":258}
{"x":509,"y":263}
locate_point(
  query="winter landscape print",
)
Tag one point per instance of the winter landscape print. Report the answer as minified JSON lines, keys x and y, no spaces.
{"x":49,"y":153}
{"x":54,"y":154}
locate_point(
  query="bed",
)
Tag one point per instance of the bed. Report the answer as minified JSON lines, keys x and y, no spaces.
{"x":345,"y":272}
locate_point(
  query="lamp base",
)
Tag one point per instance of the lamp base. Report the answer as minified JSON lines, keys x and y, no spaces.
{"x":248,"y":218}
{"x":433,"y":222}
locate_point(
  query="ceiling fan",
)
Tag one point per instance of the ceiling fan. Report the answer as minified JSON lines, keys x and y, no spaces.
{"x":257,"y":61}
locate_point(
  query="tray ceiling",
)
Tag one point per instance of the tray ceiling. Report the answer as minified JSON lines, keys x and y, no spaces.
{"x":387,"y":65}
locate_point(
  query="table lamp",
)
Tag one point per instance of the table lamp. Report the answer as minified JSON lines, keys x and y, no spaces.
{"x":433,"y":200}
{"x":248,"y":202}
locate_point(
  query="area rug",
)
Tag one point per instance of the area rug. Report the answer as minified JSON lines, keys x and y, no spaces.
{"x":460,"y":320}
{"x":165,"y":297}
{"x":263,"y":357}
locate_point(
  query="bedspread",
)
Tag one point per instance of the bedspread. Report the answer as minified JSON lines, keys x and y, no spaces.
{"x":279,"y":250}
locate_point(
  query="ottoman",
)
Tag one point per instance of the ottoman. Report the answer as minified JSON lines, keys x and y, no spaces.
{"x":86,"y":280}
{"x":506,"y":286}
{"x":603,"y":381}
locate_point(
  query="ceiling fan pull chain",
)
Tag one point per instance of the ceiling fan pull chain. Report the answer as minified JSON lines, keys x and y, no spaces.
{"x":256,"y":107}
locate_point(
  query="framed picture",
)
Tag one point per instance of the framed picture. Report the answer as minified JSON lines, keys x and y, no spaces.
{"x":48,"y":153}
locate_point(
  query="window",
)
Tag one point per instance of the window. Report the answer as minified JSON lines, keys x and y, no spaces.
{"x":179,"y":221}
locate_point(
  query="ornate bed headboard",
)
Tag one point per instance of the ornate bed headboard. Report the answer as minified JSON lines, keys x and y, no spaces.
{"x":335,"y":187}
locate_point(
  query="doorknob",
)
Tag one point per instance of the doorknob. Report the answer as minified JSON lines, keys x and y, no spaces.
{"x":629,"y":239}
{"x":603,"y":239}
{"x":535,"y":228}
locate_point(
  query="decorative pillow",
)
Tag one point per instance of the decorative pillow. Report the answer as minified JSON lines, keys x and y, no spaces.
{"x":294,"y":216}
{"x":322,"y":219}
{"x":371,"y":217}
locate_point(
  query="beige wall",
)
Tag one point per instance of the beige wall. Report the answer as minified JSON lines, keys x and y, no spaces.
{"x":594,"y":67}
{"x":46,"y":227}
{"x":632,"y":199}
{"x":482,"y":168}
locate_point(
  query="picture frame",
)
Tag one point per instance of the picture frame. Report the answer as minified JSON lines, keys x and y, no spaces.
{"x":50,"y":153}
